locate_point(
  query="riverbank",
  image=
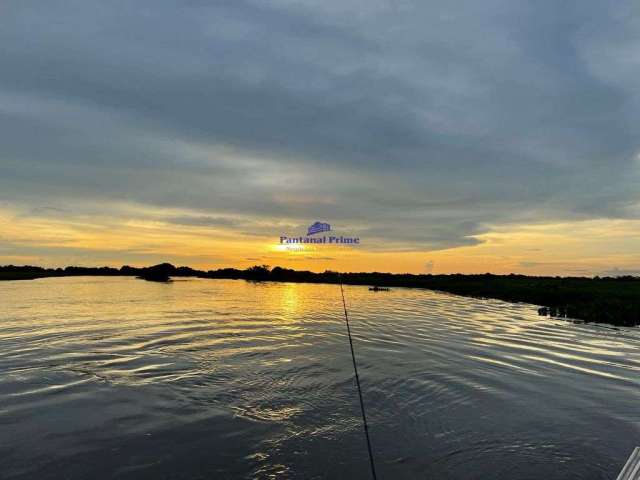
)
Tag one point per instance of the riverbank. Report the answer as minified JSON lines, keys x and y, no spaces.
{"x":607,"y":300}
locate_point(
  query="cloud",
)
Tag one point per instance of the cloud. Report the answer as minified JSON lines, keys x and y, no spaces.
{"x":418,"y":125}
{"x":201,"y":221}
{"x":621,"y":272}
{"x":529,"y":264}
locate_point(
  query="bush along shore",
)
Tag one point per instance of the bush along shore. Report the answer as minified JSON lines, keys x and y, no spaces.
{"x":613,"y":300}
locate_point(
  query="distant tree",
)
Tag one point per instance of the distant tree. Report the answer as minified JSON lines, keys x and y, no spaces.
{"x":258,"y":272}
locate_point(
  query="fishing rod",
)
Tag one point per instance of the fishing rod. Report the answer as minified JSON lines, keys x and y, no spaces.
{"x":355,"y":370}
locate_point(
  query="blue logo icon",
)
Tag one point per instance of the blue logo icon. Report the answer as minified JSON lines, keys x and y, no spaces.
{"x":318,"y":227}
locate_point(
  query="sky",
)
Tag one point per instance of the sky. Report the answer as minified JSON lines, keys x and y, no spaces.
{"x":449,"y":136}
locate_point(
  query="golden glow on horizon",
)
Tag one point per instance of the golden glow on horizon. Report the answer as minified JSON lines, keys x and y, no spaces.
{"x":293,"y":249}
{"x":570,"y":248}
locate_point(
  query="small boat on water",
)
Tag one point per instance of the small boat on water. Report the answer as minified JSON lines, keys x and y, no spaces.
{"x":378,"y":289}
{"x":155,"y":277}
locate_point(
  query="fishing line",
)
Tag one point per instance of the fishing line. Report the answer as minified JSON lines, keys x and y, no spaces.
{"x":355,"y":369}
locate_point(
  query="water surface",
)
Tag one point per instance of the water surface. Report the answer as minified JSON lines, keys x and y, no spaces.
{"x":120,"y":378}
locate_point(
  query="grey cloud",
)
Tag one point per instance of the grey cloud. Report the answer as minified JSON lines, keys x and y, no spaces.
{"x":529,"y":264}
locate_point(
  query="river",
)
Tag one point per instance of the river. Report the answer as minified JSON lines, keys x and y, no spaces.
{"x":111,"y":377}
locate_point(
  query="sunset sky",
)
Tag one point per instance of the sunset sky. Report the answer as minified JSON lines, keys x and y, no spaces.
{"x":449,"y":136}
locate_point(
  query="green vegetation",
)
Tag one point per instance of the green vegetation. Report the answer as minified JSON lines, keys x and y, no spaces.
{"x":607,"y":300}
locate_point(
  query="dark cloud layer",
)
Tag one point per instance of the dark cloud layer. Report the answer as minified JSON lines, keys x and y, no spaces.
{"x":419,"y":122}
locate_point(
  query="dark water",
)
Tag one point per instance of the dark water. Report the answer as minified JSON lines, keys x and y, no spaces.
{"x":121,"y":378}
